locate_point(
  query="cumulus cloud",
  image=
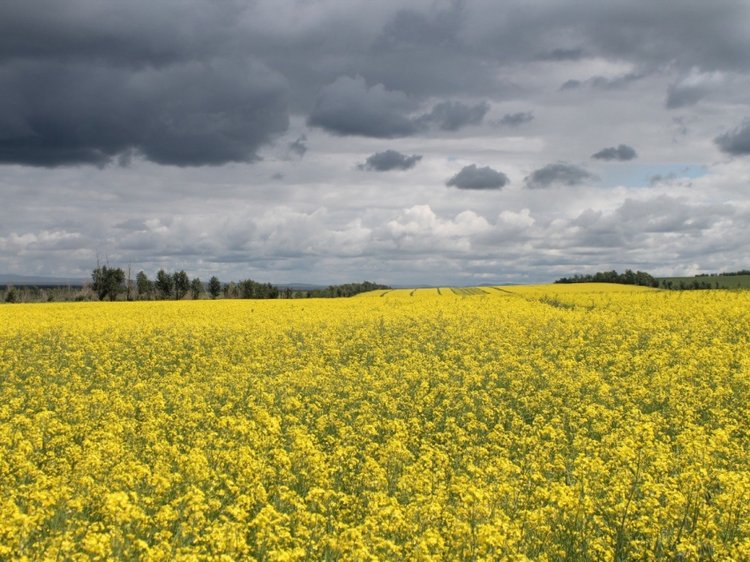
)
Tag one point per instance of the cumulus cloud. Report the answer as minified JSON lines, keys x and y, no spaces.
{"x":737,"y":141}
{"x":640,"y":223}
{"x":622,"y":152}
{"x":390,"y":160}
{"x":419,"y":228}
{"x":454,"y":115}
{"x":349,"y":107}
{"x":472,"y":177}
{"x":559,"y":173}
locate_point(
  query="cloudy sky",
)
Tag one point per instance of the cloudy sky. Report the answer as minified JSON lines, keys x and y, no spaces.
{"x":323,"y":141}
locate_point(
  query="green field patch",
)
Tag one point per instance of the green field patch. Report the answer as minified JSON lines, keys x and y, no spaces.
{"x":469,"y":291}
{"x":705,"y":282}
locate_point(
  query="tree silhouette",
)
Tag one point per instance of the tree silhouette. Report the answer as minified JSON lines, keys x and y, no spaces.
{"x":196,"y":288}
{"x":214,"y":287}
{"x":164,"y":283}
{"x":107,"y":282}
{"x":181,"y":284}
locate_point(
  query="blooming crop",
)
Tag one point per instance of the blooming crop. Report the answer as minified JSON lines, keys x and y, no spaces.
{"x":579,"y":422}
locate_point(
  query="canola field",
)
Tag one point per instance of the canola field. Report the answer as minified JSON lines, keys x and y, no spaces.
{"x":580,"y":422}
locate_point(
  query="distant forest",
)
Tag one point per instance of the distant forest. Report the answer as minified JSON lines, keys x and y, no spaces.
{"x":701,"y":281}
{"x":629,"y":277}
{"x":112,"y":283}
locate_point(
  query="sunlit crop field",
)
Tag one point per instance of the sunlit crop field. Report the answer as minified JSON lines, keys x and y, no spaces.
{"x":521,"y":423}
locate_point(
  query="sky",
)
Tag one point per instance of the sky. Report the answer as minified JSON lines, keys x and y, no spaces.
{"x":434,"y":142}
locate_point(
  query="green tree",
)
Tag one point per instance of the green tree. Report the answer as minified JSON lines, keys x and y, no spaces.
{"x":11,"y":295}
{"x":214,"y":287}
{"x":196,"y":288}
{"x":247,"y":289}
{"x":107,"y":281}
{"x":164,"y":283}
{"x":181,"y":284}
{"x":143,"y":285}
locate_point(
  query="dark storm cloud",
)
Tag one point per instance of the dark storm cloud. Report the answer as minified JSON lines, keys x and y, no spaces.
{"x":207,"y":82}
{"x":454,"y":115}
{"x":472,"y":177}
{"x":390,"y":160}
{"x":426,"y":52}
{"x":559,"y":173}
{"x":88,"y":113}
{"x":706,"y":35}
{"x":516,"y":119}
{"x":737,"y":141}
{"x":349,"y":107}
{"x":622,"y":152}
{"x":139,"y":32}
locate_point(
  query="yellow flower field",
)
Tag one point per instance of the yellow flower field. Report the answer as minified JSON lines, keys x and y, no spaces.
{"x":583,"y":422}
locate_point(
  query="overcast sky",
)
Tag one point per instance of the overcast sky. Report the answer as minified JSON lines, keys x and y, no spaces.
{"x":324,"y":141}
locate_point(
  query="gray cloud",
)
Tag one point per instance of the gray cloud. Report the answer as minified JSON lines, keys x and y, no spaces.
{"x":692,"y":87}
{"x":562,"y":54}
{"x":622,"y":152}
{"x":559,"y":173}
{"x":128,"y":80}
{"x":472,"y":177}
{"x":515,"y":119}
{"x":390,"y":160}
{"x":279,"y":244}
{"x":682,"y":95}
{"x":637,"y":220}
{"x":656,"y":179}
{"x":86,"y":114}
{"x":604,"y":82}
{"x":184,"y":82}
{"x":349,"y":107}
{"x":571,"y":85}
{"x":299,"y":146}
{"x":737,"y":141}
{"x":454,"y":115}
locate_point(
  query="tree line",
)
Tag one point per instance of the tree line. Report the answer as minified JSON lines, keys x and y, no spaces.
{"x":110,"y":283}
{"x":629,"y":277}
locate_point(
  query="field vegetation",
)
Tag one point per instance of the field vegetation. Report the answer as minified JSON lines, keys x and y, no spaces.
{"x":740,"y":281}
{"x":560,"y":422}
